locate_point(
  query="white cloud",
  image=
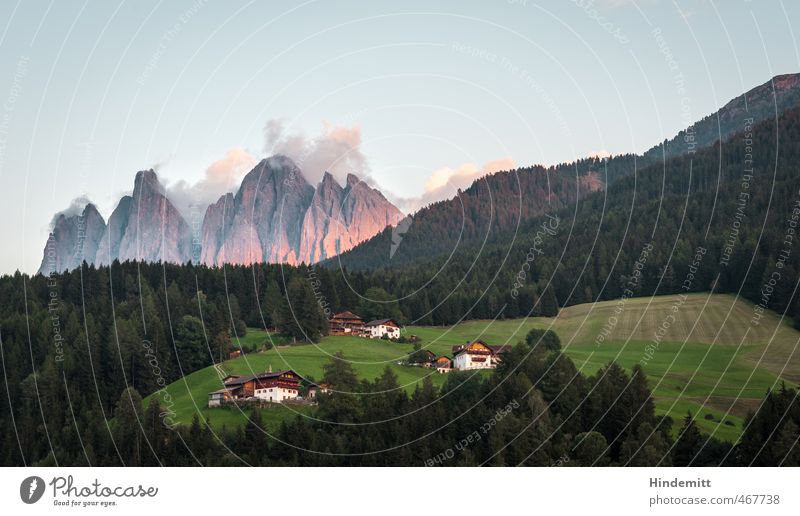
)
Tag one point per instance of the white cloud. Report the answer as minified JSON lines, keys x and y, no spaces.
{"x":222,"y":176}
{"x":75,"y":208}
{"x":451,"y":179}
{"x":337,"y":149}
{"x":602,"y":153}
{"x":445,"y":182}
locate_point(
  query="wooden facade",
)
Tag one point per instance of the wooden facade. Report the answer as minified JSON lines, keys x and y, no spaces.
{"x":273,"y":386}
{"x":345,"y":323}
{"x":443,"y":364}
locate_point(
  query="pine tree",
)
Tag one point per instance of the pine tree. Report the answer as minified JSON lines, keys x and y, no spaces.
{"x":127,"y":427}
{"x":688,"y":444}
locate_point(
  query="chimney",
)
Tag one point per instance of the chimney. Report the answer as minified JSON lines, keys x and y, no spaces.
{"x":270,"y":367}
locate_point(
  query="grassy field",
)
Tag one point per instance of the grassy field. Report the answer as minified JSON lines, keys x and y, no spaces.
{"x":255,"y":340}
{"x":710,"y":358}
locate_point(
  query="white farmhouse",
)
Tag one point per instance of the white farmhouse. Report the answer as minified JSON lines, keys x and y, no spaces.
{"x":382,"y":327}
{"x":274,"y":387}
{"x":477,"y":355}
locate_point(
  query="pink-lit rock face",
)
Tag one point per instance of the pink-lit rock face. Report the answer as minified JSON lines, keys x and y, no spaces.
{"x":263,"y":221}
{"x":339,"y":218}
{"x":145,"y":226}
{"x":276,"y":216}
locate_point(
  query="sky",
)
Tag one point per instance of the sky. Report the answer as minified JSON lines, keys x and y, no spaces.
{"x":417,"y":98}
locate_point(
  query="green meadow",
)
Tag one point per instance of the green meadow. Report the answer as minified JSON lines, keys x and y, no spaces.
{"x":710,"y":358}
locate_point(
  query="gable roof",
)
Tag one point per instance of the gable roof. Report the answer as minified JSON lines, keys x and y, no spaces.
{"x":346,"y":315}
{"x":224,"y":390}
{"x":378,"y":322}
{"x":239,"y":380}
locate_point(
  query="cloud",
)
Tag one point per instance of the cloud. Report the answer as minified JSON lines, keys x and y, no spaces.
{"x":463,"y":176}
{"x":76,"y":207}
{"x":337,"y":149}
{"x":445,"y":182}
{"x":222,"y":176}
{"x":602,"y":153}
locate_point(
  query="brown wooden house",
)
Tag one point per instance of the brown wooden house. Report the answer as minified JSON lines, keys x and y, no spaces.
{"x":276,"y":387}
{"x":345,"y":323}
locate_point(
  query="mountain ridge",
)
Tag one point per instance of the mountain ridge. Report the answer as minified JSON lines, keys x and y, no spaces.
{"x":270,"y":218}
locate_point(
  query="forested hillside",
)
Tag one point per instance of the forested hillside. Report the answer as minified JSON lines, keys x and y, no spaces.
{"x":732,"y":225}
{"x":496,"y":205}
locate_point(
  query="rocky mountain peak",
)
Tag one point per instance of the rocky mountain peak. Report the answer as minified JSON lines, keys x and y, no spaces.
{"x":352,"y":180}
{"x":146,"y":181}
{"x":274,"y":216}
{"x":73,"y":239}
{"x":341,"y":218}
{"x":146,"y":226}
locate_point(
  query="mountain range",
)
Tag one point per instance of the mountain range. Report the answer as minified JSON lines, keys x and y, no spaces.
{"x":275,"y":216}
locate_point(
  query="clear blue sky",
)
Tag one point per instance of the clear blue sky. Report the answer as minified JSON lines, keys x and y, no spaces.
{"x":94,"y":91}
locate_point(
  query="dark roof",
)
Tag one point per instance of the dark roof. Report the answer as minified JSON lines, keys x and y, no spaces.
{"x":259,"y":376}
{"x":378,"y":322}
{"x":345,"y":315}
